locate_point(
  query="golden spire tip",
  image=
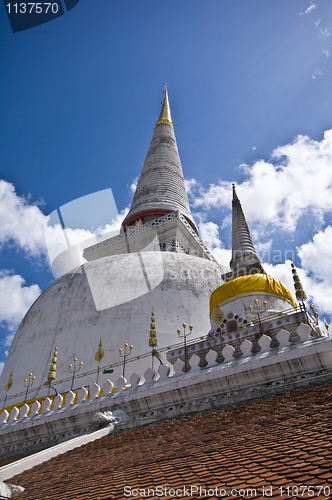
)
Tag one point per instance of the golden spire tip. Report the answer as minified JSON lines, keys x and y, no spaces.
{"x":165,"y":114}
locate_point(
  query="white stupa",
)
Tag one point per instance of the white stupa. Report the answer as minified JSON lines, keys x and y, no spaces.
{"x":157,"y":262}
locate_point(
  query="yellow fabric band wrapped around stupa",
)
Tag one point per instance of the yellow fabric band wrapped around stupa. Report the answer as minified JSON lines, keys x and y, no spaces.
{"x":249,"y":285}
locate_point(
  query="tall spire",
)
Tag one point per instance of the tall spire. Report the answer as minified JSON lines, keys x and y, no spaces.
{"x":161,"y":187}
{"x":245,"y":260}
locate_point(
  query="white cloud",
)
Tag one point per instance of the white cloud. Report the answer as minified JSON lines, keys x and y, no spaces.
{"x":15,"y":299}
{"x":133,"y":185}
{"x":22,"y":223}
{"x":262,"y":248}
{"x":316,"y":73}
{"x":218,"y":195}
{"x":324,"y":33}
{"x":209,"y":233}
{"x":222,"y":255}
{"x":315,"y":272}
{"x":190,"y":184}
{"x":309,"y":9}
{"x":115,"y":224}
{"x":316,"y":256}
{"x":277,"y":193}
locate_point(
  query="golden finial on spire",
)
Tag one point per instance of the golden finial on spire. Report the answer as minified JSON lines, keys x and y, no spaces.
{"x":52,"y":372}
{"x":100,"y":353}
{"x":9,"y":382}
{"x":165,"y":114}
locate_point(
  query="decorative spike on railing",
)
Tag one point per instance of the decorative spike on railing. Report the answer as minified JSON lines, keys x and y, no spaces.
{"x":299,"y":292}
{"x":153,"y":333}
{"x":52,"y":373}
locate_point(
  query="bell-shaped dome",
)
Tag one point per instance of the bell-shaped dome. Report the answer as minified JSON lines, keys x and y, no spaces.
{"x":253,"y":285}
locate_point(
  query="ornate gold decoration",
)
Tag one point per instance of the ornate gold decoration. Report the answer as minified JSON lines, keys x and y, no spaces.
{"x":9,"y":382}
{"x":52,"y":373}
{"x":165,"y":114}
{"x":28,"y":383}
{"x":153,"y":333}
{"x":184,"y":337}
{"x":218,"y":316}
{"x":124,"y":355}
{"x":75,"y":370}
{"x":244,"y":286}
{"x":100,"y":353}
{"x":299,"y":292}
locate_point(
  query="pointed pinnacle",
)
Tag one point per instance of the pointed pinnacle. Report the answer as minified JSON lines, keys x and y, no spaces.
{"x":235,"y":196}
{"x":165,"y":114}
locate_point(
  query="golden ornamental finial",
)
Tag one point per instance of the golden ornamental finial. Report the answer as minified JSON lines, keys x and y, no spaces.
{"x":299,"y":292}
{"x":153,"y":332}
{"x":52,"y":372}
{"x":100,"y":353}
{"x":165,"y":114}
{"x":9,"y":382}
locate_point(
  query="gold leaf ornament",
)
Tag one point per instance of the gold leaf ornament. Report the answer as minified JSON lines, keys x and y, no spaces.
{"x":100,"y":353}
{"x":9,"y":382}
{"x":218,"y":316}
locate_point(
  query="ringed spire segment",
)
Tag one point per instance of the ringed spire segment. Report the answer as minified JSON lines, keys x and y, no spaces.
{"x":245,"y":260}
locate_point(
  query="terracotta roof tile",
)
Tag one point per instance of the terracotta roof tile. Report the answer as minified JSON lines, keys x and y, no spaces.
{"x":278,"y":442}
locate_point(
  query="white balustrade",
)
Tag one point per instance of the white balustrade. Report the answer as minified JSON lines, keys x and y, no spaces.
{"x":107,"y":387}
{"x":94,"y":391}
{"x":194,"y":362}
{"x":304,"y":332}
{"x":35,"y":408}
{"x":14,"y":414}
{"x":57,"y":403}
{"x":211,"y":358}
{"x":246,"y":348}
{"x":178,"y":367}
{"x":46,"y":404}
{"x":70,"y":396}
{"x":164,"y":371}
{"x":121,"y":383}
{"x":24,"y":411}
{"x":283,"y":338}
{"x":4,"y":416}
{"x":228,"y":352}
{"x":82,"y":395}
{"x":264,"y":343}
{"x":134,"y":380}
{"x":149,"y":375}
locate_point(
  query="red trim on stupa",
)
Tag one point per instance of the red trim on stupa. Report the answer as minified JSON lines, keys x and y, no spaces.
{"x":147,"y":213}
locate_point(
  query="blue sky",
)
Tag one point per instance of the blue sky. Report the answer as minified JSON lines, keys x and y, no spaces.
{"x":250,"y":88}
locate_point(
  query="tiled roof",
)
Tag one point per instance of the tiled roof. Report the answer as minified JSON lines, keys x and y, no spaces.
{"x":285,"y":441}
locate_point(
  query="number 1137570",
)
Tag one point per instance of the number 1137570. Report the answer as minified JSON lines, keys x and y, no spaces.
{"x":29,"y":8}
{"x":305,"y":491}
